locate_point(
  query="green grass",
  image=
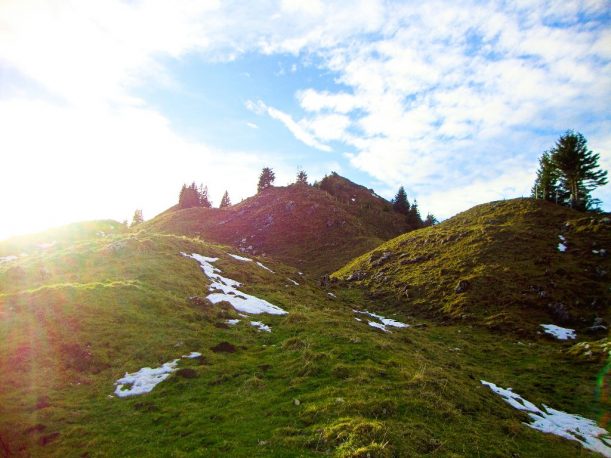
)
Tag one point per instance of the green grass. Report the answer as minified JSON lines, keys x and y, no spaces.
{"x":507,"y":252}
{"x":321,"y":384}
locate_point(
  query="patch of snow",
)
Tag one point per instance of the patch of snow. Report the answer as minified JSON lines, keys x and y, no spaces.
{"x":358,"y":319}
{"x":562,"y":246}
{"x":240,"y":258}
{"x":353,"y":199}
{"x":7,"y":258}
{"x":293,"y":281}
{"x":261,"y":326}
{"x":44,"y":246}
{"x":300,"y":273}
{"x":193,"y":354}
{"x":144,"y":380}
{"x":558,"y":332}
{"x":331,"y":294}
{"x":548,"y":420}
{"x":226,"y":290}
{"x":373,"y":324}
{"x":232,"y":322}
{"x":264,"y":267}
{"x":383,"y":321}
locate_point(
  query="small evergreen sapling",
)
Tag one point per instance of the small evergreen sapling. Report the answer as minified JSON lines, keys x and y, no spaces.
{"x":137,"y":218}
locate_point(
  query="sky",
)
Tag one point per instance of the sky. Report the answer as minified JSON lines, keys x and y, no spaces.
{"x":107,"y":107}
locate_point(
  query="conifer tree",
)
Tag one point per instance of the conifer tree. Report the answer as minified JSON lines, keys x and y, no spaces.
{"x":546,"y":183}
{"x":430,"y":220}
{"x":192,"y":199}
{"x":302,"y":177}
{"x":225,"y":202}
{"x":400,"y":203}
{"x":413,"y":216}
{"x":578,"y":169}
{"x":137,"y":218}
{"x":203,"y":199}
{"x":266,"y":179}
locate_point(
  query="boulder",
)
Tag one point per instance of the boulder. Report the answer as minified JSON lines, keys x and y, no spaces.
{"x":356,"y":276}
{"x":381,"y":260}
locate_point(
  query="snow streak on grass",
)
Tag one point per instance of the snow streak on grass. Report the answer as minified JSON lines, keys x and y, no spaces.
{"x":558,"y":332}
{"x":229,"y":292}
{"x":144,"y":380}
{"x":382,"y":322}
{"x":548,"y":420}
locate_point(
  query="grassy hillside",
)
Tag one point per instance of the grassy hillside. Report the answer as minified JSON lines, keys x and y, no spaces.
{"x":23,"y":244}
{"x":77,"y":316}
{"x":316,"y":229}
{"x":498,"y":264}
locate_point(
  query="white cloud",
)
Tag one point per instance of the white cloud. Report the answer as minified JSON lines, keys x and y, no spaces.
{"x":295,"y":128}
{"x":94,"y":51}
{"x":312,"y":100}
{"x":444,"y":97}
{"x":447,"y":89}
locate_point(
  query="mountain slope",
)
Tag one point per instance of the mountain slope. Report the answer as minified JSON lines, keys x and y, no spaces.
{"x":314,"y":228}
{"x":326,"y":381}
{"x":499,"y":264}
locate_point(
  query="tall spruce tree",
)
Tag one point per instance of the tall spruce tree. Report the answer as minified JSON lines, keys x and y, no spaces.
{"x":400,"y":202}
{"x":413,"y":216}
{"x":225,"y":202}
{"x":266,"y":179}
{"x":546,"y":183}
{"x":203,"y":199}
{"x":182,"y":196}
{"x":189,"y":196}
{"x":578,"y":170}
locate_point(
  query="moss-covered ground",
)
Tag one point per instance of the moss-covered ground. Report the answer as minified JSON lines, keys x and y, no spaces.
{"x":78,"y":315}
{"x":498,"y":265}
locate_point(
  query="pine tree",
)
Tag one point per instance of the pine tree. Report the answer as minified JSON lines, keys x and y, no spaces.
{"x":546,"y":183}
{"x":413,"y":216}
{"x":192,"y":199}
{"x":578,"y":169}
{"x":400,"y":203}
{"x":202,"y":197}
{"x":225,"y":202}
{"x":266,"y":179}
{"x":182,"y":197}
{"x":430,"y":220}
{"x":137,"y":218}
{"x":302,"y":177}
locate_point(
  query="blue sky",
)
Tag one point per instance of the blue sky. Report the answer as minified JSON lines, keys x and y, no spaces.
{"x":110,"y":106}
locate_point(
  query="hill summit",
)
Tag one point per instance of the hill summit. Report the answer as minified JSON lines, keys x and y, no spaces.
{"x":314,"y":228}
{"x":508,"y":264}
